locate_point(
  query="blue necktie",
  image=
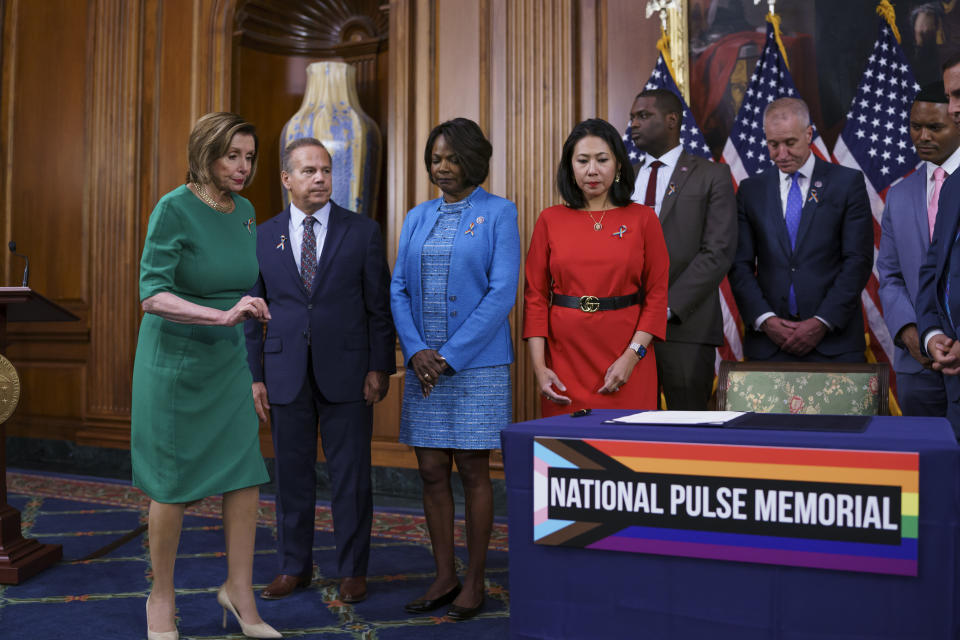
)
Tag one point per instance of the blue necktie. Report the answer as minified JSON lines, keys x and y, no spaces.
{"x":794,"y":207}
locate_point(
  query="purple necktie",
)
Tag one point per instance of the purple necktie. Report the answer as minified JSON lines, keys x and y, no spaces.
{"x":308,"y":253}
{"x":794,"y":207}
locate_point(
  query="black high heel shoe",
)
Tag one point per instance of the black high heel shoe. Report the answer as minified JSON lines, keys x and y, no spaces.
{"x":459,"y":614}
{"x":423,"y":606}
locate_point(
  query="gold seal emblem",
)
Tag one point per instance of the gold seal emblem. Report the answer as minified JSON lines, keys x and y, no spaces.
{"x":9,"y":389}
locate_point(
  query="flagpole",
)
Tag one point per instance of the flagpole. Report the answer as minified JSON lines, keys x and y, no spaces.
{"x":774,"y":19}
{"x":672,"y":14}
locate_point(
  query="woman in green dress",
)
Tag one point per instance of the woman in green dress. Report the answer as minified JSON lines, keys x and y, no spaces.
{"x":194,"y":428}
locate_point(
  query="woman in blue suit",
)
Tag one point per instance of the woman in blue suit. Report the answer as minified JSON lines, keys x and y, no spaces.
{"x":453,"y":286}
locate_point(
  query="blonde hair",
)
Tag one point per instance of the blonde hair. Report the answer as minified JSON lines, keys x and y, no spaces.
{"x":210,"y":140}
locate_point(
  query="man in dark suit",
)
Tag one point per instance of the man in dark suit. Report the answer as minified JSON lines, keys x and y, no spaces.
{"x":694,"y":200}
{"x":805,"y":249}
{"x":938,"y":298}
{"x":907,"y":227}
{"x":326,"y":357}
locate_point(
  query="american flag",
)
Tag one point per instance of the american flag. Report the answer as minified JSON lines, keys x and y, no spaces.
{"x":692,"y":140}
{"x":690,"y":135}
{"x":746,"y":148}
{"x":876,"y":140}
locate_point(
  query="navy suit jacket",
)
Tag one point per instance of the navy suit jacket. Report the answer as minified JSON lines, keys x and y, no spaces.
{"x":904,"y":241}
{"x":346,"y":315}
{"x":931,"y":312}
{"x":829,"y":266}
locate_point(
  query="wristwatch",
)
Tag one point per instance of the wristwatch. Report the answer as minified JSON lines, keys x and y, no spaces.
{"x":639,"y":349}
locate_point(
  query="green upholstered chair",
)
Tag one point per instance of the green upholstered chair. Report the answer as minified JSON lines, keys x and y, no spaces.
{"x":787,"y":387}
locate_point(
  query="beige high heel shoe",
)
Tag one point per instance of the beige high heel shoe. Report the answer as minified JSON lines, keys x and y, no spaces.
{"x":260,"y":630}
{"x":160,"y":635}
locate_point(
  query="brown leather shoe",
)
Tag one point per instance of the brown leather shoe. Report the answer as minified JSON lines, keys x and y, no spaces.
{"x":283,"y":585}
{"x":353,"y":589}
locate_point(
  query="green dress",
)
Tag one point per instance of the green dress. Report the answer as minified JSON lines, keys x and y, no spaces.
{"x":194,"y":431}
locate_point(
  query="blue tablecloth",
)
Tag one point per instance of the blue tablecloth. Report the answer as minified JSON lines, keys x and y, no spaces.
{"x":562,"y":592}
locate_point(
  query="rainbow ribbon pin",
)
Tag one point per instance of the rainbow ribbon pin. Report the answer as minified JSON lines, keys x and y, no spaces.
{"x":470,"y":229}
{"x":249,"y":225}
{"x":281,"y":245}
{"x":619,"y":234}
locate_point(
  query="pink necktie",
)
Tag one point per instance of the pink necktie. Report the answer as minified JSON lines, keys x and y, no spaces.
{"x":939,"y":175}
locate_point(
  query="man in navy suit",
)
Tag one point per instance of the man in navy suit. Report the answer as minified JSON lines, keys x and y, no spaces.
{"x":804,"y":249}
{"x":325,"y":358}
{"x":907,"y":227}
{"x":938,"y":301}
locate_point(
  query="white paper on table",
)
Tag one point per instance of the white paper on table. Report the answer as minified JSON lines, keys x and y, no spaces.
{"x":679,"y":417}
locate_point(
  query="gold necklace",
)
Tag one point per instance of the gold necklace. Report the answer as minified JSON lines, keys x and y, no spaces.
{"x":210,"y":201}
{"x":598,"y":226}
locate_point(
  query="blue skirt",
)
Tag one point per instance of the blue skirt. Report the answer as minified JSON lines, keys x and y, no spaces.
{"x":466,"y":410}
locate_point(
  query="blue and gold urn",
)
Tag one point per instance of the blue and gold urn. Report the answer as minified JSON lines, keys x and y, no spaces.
{"x":331,"y":113}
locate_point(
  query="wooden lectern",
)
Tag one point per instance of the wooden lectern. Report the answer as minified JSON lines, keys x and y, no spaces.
{"x":22,"y":557}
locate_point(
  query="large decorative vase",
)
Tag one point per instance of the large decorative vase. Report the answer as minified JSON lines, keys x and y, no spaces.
{"x":331,"y":113}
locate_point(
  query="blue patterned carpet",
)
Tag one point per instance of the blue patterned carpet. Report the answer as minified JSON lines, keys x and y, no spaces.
{"x":104,"y":598}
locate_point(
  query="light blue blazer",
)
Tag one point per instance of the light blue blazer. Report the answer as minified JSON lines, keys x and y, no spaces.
{"x":481,"y":286}
{"x":904,"y":242}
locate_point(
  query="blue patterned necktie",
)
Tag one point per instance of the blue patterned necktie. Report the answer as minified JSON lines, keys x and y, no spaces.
{"x":794,"y":207}
{"x":308,"y":253}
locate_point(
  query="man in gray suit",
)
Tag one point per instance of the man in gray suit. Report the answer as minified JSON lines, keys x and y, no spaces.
{"x":906,"y":230}
{"x":694,"y":200}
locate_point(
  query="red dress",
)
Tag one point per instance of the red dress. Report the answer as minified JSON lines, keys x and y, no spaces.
{"x":567,"y":256}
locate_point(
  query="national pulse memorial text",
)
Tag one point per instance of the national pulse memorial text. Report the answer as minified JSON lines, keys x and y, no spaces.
{"x":787,"y":508}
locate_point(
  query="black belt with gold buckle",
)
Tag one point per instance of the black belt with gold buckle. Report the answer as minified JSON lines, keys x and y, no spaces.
{"x":592,"y":304}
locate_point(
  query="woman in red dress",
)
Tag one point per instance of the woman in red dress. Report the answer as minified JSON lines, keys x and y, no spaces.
{"x":596,"y":283}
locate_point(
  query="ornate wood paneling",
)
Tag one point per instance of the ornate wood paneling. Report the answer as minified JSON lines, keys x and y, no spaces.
{"x":111,"y":197}
{"x":314,"y":28}
{"x":542,"y":94}
{"x":45,"y":80}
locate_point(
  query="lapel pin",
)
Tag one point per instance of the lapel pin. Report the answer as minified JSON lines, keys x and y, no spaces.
{"x":481,"y":220}
{"x":249,"y":224}
{"x":813,"y":196}
{"x":470,"y":229}
{"x":818,"y":184}
{"x":282,"y":244}
{"x":671,"y":189}
{"x":684,"y":168}
{"x":620,"y":232}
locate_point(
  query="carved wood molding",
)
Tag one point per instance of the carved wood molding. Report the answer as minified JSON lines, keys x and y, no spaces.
{"x":541,"y":89}
{"x":111,"y":197}
{"x":318,"y":28}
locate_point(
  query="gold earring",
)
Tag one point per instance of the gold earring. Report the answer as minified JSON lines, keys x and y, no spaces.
{"x":617,"y":178}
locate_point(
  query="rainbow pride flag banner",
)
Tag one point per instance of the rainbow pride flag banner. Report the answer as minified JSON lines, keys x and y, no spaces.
{"x":849,"y":510}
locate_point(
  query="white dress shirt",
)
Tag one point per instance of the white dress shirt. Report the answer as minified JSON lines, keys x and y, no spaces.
{"x":322,"y":218}
{"x":669,"y":160}
{"x":786,"y":179}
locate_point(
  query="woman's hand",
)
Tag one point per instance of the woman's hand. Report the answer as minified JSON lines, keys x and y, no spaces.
{"x":247,"y":307}
{"x":428,"y":365}
{"x":619,"y":372}
{"x":546,"y":381}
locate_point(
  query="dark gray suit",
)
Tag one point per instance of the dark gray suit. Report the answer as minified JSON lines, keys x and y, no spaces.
{"x":698,"y":215}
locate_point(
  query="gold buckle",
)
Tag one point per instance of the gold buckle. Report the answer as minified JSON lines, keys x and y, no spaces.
{"x":589,"y":304}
